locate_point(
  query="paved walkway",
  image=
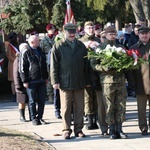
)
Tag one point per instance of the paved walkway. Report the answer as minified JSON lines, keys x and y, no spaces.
{"x":94,"y":141}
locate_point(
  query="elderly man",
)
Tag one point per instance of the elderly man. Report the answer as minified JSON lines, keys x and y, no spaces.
{"x":69,"y":74}
{"x":142,"y":78}
{"x":34,"y":76}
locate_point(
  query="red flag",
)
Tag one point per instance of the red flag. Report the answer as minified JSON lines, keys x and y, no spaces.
{"x":69,"y":17}
{"x":13,"y":48}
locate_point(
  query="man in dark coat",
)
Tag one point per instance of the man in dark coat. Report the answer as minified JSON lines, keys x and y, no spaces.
{"x":33,"y":72}
{"x":141,"y":77}
{"x":69,"y":74}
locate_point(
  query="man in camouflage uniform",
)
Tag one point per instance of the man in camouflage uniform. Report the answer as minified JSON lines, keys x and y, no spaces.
{"x":90,"y":41}
{"x":46,"y":45}
{"x":114,"y":90}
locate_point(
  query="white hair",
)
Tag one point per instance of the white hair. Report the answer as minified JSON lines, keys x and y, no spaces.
{"x":23,"y":47}
{"x":32,"y":38}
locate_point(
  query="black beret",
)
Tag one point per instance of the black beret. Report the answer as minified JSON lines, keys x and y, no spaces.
{"x":144,"y":29}
{"x":70,"y":27}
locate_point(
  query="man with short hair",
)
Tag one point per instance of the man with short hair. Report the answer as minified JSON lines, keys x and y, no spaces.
{"x":113,"y":89}
{"x":141,"y":77}
{"x":33,"y":72}
{"x":90,"y":98}
{"x":68,"y":73}
{"x":46,"y":45}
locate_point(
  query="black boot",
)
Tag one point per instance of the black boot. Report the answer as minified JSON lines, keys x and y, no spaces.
{"x":90,"y":122}
{"x":22,"y":115}
{"x":120,"y":133}
{"x":95,"y":126}
{"x":112,"y":131}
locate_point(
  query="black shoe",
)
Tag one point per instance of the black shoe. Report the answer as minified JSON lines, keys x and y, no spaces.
{"x":144,"y":132}
{"x":58,"y":116}
{"x":95,"y":126}
{"x":41,"y":121}
{"x":121,"y":135}
{"x":105,"y":133}
{"x":112,"y":136}
{"x":80,"y":134}
{"x":35,"y":122}
{"x":22,"y":119}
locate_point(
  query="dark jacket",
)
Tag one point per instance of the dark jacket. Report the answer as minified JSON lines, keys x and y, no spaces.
{"x":94,"y":76}
{"x":141,"y":76}
{"x":2,"y":50}
{"x":33,"y":67}
{"x":133,"y":40}
{"x":17,"y":80}
{"x":69,"y":66}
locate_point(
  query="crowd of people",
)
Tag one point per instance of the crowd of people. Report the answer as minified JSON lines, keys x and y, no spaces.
{"x":56,"y":68}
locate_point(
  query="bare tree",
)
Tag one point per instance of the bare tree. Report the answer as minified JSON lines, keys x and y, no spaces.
{"x":141,"y":9}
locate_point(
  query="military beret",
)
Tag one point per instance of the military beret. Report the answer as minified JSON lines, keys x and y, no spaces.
{"x":97,"y":27}
{"x":143,"y":29}
{"x":49,"y":26}
{"x":12,"y":35}
{"x":70,"y":27}
{"x":88,"y":23}
{"x":110,"y":29}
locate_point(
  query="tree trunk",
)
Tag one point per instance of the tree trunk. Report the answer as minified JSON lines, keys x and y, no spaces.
{"x":137,"y":9}
{"x":146,"y":9}
{"x":118,"y":23}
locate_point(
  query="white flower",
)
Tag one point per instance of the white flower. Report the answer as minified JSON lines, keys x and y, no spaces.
{"x":98,"y":50}
{"x":120,"y":50}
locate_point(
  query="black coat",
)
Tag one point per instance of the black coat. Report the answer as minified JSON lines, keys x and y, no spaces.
{"x":33,"y":67}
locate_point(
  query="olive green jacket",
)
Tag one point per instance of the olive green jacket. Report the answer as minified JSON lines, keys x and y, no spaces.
{"x":69,"y":66}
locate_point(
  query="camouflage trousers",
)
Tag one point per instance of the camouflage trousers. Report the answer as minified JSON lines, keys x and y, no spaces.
{"x":90,"y":102}
{"x":115,"y":96}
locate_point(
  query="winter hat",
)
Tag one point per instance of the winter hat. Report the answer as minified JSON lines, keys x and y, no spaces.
{"x":110,"y":29}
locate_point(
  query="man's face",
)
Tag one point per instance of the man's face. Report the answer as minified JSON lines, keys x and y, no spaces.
{"x":89,"y":30}
{"x":36,"y":42}
{"x":136,"y":31}
{"x":70,"y":35}
{"x":144,"y":36}
{"x":98,"y":31}
{"x":110,"y":36}
{"x":51,"y":31}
